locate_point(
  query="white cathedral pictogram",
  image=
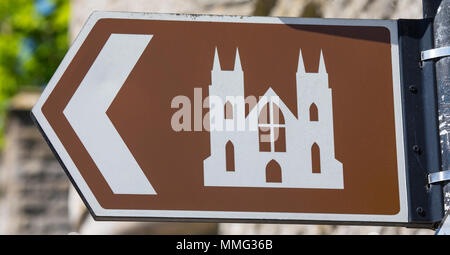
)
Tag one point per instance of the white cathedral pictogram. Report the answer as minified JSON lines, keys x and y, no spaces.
{"x":299,"y":152}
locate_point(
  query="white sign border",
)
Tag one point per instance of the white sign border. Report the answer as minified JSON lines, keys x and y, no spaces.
{"x":105,"y":214}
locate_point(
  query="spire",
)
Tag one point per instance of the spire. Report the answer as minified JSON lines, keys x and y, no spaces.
{"x":237,"y":61}
{"x":322,"y":68}
{"x":216,"y":64}
{"x":301,"y":65}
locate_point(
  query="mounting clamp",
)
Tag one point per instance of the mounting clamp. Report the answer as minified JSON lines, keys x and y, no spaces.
{"x":441,"y":176}
{"x":435,"y":53}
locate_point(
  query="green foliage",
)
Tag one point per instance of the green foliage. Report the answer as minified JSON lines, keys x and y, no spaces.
{"x":33,"y":41}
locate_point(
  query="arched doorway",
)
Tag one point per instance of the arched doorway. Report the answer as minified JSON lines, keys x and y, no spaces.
{"x":273,"y":172}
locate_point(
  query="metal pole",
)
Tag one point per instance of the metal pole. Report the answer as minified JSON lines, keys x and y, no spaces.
{"x":440,"y":11}
{"x":430,"y":8}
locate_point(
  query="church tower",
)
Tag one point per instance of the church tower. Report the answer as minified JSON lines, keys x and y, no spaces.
{"x":315,"y":112}
{"x":227,"y":82}
{"x":312,"y":88}
{"x":227,"y":85}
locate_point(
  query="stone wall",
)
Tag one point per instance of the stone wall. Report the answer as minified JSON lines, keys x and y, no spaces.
{"x":364,"y":9}
{"x":33,"y":187}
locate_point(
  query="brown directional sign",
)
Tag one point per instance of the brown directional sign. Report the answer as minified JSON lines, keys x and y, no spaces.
{"x":231,"y":118}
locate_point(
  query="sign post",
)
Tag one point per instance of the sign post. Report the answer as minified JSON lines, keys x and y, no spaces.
{"x":439,"y":11}
{"x":253,"y":119}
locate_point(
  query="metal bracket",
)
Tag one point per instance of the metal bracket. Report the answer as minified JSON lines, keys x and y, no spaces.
{"x":441,"y":176}
{"x":422,"y":147}
{"x":435,"y":53}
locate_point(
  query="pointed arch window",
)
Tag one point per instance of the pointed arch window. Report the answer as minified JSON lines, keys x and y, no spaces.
{"x":229,"y":151}
{"x":315,"y":158}
{"x":228,"y":111}
{"x":272,"y":129}
{"x":313,"y":113}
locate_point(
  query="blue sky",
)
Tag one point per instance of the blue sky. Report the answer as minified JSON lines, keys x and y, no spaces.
{"x":44,"y":7}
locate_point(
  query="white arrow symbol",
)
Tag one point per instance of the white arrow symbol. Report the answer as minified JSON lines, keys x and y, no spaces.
{"x":86,"y":112}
